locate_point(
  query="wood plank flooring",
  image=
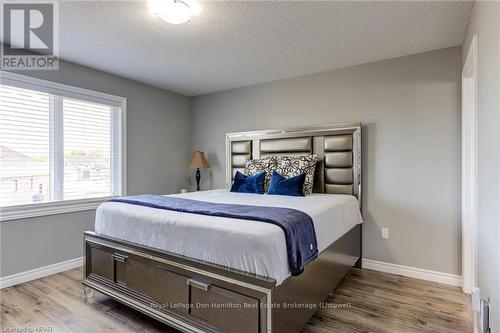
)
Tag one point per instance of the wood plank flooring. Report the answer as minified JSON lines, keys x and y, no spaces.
{"x":365,"y":301}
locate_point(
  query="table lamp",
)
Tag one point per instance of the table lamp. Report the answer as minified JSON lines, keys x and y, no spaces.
{"x":198,"y":161}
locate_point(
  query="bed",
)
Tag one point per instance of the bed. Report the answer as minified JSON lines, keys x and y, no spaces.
{"x":212,"y":274}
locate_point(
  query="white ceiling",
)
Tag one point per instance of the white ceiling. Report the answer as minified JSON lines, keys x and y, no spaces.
{"x":234,"y":44}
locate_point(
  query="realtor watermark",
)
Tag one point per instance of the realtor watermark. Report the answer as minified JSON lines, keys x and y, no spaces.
{"x":260,"y":305}
{"x":30,"y":35}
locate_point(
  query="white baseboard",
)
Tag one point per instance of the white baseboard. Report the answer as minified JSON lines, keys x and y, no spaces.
{"x":418,"y":273}
{"x":41,"y":272}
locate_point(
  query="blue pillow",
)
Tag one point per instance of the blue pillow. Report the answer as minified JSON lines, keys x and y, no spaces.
{"x":293,"y":186}
{"x":249,"y":184}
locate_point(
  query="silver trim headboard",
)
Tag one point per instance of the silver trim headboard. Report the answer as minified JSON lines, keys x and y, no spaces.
{"x":338,"y":147}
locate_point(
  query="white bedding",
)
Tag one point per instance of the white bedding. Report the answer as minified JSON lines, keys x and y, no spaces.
{"x":250,"y":246}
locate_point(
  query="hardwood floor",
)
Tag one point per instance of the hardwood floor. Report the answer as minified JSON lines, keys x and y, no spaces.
{"x":382,"y":302}
{"x":365,"y":301}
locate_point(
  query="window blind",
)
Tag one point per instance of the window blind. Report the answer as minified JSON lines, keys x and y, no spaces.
{"x":87,"y":149}
{"x":56,"y":148}
{"x":24,"y":146}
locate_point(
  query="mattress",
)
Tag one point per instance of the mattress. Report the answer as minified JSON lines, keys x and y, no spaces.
{"x":250,"y":246}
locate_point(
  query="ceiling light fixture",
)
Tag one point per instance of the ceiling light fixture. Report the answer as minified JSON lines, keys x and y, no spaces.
{"x":174,"y":11}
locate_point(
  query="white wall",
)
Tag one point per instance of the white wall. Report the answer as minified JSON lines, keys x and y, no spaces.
{"x":485,"y":23}
{"x":410,"y":110}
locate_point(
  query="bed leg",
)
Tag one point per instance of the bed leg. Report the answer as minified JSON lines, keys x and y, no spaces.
{"x":87,"y":292}
{"x":358,"y":263}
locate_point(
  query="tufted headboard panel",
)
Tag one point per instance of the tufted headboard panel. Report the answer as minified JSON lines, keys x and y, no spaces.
{"x":338,"y":147}
{"x":241,"y":152}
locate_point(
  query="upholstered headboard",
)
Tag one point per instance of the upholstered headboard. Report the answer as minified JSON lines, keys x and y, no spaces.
{"x":338,"y":147}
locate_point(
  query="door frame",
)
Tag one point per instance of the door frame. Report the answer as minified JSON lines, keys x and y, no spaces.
{"x":469,"y":168}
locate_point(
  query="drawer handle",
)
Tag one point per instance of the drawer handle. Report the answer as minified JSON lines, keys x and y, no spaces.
{"x":119,"y":257}
{"x":198,"y":284}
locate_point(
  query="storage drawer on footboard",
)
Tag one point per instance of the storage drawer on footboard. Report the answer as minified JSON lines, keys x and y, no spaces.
{"x":133,"y":272}
{"x":205,"y":302}
{"x":225,"y":309}
{"x":100,"y":263}
{"x":120,"y":268}
{"x":171,"y":291}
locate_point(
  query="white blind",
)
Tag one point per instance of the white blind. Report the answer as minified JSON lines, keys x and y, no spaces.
{"x":56,"y":148}
{"x":87,"y":149}
{"x":24,"y":146}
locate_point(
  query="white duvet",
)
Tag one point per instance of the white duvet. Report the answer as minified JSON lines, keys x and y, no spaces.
{"x":251,"y":246}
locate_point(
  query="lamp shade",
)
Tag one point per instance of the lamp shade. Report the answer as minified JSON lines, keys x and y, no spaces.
{"x":198,"y":160}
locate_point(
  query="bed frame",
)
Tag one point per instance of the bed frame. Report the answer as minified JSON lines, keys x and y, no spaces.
{"x":197,"y":296}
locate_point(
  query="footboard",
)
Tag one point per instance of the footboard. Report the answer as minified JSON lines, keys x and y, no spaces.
{"x":185,"y":294}
{"x":195,"y":296}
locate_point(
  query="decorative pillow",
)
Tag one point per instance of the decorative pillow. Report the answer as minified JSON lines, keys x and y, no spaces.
{"x":248,"y":184}
{"x":290,"y":166}
{"x":266,"y":164}
{"x":293,"y":186}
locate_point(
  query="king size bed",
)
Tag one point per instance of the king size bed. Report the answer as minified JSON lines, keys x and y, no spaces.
{"x":202,"y":271}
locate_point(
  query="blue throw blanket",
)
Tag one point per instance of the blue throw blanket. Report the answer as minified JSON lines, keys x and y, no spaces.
{"x":298,"y":226}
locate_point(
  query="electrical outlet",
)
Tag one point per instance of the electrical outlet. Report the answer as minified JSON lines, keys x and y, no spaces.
{"x":385,"y":233}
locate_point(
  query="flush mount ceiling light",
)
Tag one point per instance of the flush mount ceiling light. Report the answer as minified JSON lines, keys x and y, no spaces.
{"x":174,"y":11}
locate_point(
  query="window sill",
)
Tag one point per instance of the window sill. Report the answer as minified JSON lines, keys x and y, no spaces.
{"x":49,"y":208}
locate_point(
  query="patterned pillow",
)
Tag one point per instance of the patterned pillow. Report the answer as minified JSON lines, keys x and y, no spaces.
{"x":267,"y":164}
{"x":291,"y":166}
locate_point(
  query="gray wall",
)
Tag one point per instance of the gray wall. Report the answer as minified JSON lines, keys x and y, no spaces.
{"x":485,"y":23}
{"x":410,"y":109}
{"x":158,"y":148}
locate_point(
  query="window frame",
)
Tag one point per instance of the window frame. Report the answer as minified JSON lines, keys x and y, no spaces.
{"x":63,"y":90}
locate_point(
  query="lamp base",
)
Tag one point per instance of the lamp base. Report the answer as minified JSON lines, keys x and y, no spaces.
{"x":198,"y":178}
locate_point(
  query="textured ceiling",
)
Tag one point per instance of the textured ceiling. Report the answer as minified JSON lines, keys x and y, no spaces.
{"x":234,"y":44}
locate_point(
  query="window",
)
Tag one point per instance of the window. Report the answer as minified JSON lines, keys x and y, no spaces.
{"x":61,"y":147}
